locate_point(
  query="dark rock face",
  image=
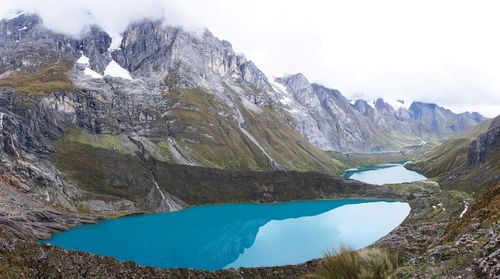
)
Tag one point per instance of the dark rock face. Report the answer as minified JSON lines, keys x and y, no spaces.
{"x":486,"y":145}
{"x":25,"y":44}
{"x":95,"y":44}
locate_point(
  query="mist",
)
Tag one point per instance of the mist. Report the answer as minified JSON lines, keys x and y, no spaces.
{"x":444,"y":52}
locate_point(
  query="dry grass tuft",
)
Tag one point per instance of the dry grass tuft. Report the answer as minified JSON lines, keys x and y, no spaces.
{"x":346,"y":263}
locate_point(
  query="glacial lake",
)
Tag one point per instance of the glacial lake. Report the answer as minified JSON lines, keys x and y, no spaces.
{"x":237,"y":235}
{"x":383,"y":174}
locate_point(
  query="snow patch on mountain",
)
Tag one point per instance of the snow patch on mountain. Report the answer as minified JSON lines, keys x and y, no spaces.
{"x":116,"y":41}
{"x":371,"y":103}
{"x":93,"y":74}
{"x":115,"y":70}
{"x":84,"y":60}
{"x":10,"y":16}
{"x":250,"y":106}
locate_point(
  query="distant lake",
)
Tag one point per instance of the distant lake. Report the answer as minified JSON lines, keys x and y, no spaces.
{"x":383,"y":174}
{"x":238,"y":235}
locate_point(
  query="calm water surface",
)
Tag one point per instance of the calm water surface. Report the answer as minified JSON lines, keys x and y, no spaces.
{"x":383,"y":174}
{"x":236,"y":235}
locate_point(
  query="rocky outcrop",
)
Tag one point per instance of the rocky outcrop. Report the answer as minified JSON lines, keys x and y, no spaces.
{"x":486,"y":145}
{"x":469,"y":163}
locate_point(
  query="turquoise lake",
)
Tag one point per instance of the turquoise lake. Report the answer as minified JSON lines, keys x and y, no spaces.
{"x":383,"y":174}
{"x":238,"y":235}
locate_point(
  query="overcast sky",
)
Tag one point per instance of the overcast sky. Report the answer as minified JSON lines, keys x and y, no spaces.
{"x":447,"y":52}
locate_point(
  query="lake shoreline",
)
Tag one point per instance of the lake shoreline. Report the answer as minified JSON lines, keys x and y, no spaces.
{"x":254,"y":235}
{"x":388,"y":173}
{"x":416,"y":194}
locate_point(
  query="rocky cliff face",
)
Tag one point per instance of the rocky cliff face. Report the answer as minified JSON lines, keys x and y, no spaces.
{"x":486,"y":146}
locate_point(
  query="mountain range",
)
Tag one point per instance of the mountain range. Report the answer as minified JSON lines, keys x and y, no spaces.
{"x":161,"y":94}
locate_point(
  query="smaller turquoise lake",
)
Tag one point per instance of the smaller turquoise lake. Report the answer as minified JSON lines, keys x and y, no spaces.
{"x":383,"y":174}
{"x":238,"y":235}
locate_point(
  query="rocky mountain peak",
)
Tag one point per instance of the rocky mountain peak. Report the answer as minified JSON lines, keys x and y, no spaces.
{"x":151,"y":48}
{"x":294,"y":82}
{"x":95,"y":44}
{"x":382,"y":106}
{"x":363,"y":107}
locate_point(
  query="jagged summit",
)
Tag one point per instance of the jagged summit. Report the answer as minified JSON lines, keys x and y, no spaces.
{"x":295,"y":81}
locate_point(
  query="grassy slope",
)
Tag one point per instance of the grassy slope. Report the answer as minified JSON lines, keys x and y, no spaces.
{"x":285,"y":145}
{"x":204,"y":127}
{"x":449,"y":160}
{"x":107,"y":172}
{"x":200,"y":128}
{"x":44,"y":80}
{"x":485,"y":210}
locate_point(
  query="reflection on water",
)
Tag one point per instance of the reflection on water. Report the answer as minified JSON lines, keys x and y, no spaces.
{"x":383,"y":174}
{"x":214,"y":237}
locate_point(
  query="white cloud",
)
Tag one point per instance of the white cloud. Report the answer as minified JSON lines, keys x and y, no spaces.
{"x":443,"y":51}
